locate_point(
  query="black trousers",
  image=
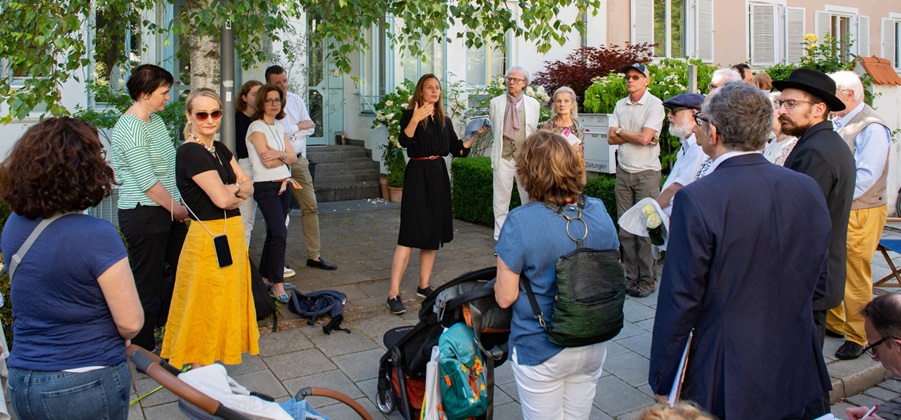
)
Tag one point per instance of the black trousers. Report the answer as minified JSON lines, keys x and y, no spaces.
{"x":275,"y":209}
{"x":154,"y":242}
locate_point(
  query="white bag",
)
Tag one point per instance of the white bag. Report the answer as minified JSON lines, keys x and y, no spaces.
{"x":635,"y":222}
{"x":431,"y":402}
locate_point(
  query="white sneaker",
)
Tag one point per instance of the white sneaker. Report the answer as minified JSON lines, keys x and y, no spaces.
{"x":289,"y":272}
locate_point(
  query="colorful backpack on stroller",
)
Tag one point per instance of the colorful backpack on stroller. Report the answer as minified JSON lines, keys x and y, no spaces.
{"x":463,"y":388}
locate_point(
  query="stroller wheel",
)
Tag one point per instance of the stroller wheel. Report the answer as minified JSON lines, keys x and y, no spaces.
{"x":385,"y":401}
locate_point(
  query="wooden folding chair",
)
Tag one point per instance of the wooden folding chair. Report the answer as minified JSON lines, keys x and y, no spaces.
{"x":884,"y":246}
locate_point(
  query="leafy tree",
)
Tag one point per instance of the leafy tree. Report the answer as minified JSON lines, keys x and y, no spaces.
{"x":46,"y":40}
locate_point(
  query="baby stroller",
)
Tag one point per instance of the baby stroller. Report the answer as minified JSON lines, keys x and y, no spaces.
{"x":402,"y":370}
{"x":196,"y":404}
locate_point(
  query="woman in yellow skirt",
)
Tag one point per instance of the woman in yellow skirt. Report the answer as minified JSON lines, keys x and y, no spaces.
{"x":212,"y":317}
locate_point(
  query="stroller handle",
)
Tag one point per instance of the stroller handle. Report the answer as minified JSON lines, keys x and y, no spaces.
{"x":330,"y":393}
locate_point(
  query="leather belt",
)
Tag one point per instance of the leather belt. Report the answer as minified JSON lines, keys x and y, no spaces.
{"x":433,"y":157}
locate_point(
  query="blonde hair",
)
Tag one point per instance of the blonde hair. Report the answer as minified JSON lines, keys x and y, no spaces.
{"x":681,"y":411}
{"x":549,"y":168}
{"x":189,"y":104}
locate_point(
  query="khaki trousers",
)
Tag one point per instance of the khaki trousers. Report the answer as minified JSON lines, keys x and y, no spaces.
{"x":309,"y":208}
{"x":630,"y":189}
{"x":864,"y":230}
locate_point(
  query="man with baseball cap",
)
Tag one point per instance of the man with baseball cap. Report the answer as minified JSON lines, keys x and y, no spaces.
{"x":681,"y":109}
{"x":635,"y":126}
{"x":808,"y":96}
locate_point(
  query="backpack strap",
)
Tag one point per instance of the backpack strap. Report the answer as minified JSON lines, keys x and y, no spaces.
{"x":536,"y":310}
{"x":580,"y":203}
{"x":23,"y":249}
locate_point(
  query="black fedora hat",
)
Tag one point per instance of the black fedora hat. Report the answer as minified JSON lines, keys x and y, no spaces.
{"x":815,"y":83}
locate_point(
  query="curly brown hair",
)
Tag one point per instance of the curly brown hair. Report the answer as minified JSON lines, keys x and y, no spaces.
{"x":260,"y":105}
{"x":549,"y":169}
{"x":56,"y":166}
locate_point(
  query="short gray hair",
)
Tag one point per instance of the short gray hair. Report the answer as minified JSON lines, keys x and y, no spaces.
{"x":850,"y":81}
{"x":725,"y":75}
{"x":525,"y":73}
{"x":742,"y":114}
{"x":572,"y":93}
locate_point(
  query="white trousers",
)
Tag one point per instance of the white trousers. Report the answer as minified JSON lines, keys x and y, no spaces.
{"x":504,"y":175}
{"x":562,"y":387}
{"x":249,"y":207}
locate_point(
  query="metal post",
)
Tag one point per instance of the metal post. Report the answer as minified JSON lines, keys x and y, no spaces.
{"x":692,"y":78}
{"x":227,"y":85}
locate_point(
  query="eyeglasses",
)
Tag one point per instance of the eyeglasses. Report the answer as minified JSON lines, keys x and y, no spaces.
{"x":871,"y":349}
{"x":674,"y":111}
{"x":712,"y":86}
{"x":699,"y":117}
{"x":791,"y":103}
{"x":203,"y":115}
{"x":272,"y":101}
{"x":103,"y":154}
{"x":633,"y":77}
{"x":514,"y":79}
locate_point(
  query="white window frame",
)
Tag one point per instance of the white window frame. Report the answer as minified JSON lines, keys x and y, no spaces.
{"x":892,"y":51}
{"x":487,"y":49}
{"x":435,"y":46}
{"x":643,"y":25}
{"x":376,"y":67}
{"x":854,"y":20}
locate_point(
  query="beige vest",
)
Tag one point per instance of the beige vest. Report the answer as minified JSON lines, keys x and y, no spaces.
{"x":875,"y":196}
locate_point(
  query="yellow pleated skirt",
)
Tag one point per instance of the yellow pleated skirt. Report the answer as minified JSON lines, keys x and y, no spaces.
{"x":212,"y":316}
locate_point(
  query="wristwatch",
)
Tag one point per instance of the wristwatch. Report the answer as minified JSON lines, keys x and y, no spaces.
{"x":618,"y":130}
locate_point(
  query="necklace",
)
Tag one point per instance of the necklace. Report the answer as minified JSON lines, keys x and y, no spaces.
{"x":211,"y":149}
{"x":280,"y":146}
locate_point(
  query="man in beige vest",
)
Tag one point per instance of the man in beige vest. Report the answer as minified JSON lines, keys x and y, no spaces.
{"x":869,"y":138}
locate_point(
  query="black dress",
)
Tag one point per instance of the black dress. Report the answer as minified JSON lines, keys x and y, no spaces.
{"x":426,"y":221}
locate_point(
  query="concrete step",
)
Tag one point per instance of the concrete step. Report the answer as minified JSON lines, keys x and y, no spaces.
{"x":355,"y":163}
{"x":345,"y":172}
{"x":334,"y":153}
{"x":327,"y":192}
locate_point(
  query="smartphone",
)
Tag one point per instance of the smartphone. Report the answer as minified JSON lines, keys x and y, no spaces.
{"x":223,"y":252}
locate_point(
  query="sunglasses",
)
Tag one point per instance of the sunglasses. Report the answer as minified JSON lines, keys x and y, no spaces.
{"x":203,"y":115}
{"x":633,"y":77}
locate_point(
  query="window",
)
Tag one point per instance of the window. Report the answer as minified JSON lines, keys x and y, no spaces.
{"x":891,"y":40}
{"x":414,"y":67}
{"x":375,"y":68}
{"x":776,"y":34}
{"x":847,"y":27}
{"x":680,"y":28}
{"x":484,"y":63}
{"x":110,"y":45}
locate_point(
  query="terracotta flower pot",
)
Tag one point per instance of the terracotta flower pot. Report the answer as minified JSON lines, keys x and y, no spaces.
{"x":396,"y":194}
{"x":383,"y":183}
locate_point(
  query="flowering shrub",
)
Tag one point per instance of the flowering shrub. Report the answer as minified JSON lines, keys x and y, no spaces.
{"x":585,"y":64}
{"x":387,"y":114}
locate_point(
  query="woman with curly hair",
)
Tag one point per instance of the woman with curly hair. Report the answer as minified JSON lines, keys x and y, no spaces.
{"x":150,"y":210}
{"x":212,"y":317}
{"x":74,"y":300}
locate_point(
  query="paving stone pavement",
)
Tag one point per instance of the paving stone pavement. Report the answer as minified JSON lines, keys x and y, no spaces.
{"x":360,"y":237}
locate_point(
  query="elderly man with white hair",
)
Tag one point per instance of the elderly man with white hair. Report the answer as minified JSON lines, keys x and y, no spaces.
{"x":722,"y":76}
{"x":514,"y":115}
{"x":869,"y":138}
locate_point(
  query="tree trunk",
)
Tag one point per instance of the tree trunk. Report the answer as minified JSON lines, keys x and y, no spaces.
{"x":204,"y":53}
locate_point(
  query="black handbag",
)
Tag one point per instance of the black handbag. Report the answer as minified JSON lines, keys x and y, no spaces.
{"x":591,"y":291}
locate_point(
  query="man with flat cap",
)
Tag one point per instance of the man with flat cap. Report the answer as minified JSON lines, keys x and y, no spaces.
{"x":680,"y":113}
{"x":635,"y":126}
{"x":808,"y":96}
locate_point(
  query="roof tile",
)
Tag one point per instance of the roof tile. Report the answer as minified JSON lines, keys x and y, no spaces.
{"x":880,"y":70}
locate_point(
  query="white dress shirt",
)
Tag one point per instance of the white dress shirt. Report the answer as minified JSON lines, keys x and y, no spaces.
{"x":295,"y":113}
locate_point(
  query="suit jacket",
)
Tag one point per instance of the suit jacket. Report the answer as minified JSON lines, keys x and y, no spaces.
{"x":746,"y":257}
{"x":496,"y":112}
{"x":819,"y":155}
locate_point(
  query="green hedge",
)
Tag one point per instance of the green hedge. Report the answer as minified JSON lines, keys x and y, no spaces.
{"x":473,"y":192}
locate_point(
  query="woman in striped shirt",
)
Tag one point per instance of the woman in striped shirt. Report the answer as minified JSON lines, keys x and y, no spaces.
{"x":150,"y":212}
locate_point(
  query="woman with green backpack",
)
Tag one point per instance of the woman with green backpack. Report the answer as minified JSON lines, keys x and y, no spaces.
{"x":559,"y":380}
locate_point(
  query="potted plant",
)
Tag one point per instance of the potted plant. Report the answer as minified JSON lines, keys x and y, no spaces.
{"x":387,"y":114}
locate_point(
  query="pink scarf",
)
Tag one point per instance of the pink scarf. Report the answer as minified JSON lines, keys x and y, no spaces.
{"x":511,"y":115}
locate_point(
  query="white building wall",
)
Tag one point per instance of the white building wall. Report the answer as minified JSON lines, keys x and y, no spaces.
{"x":888,"y":105}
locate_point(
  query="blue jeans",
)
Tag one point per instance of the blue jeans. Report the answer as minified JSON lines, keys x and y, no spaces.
{"x":96,"y":394}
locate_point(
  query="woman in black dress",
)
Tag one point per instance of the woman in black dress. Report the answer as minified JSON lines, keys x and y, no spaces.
{"x":425,"y":211}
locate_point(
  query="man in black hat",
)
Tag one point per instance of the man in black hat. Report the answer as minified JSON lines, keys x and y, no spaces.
{"x":807,"y":98}
{"x":680,"y":113}
{"x":635,"y":126}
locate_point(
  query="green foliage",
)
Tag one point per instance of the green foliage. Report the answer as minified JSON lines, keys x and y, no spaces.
{"x":669,"y":77}
{"x":780,"y":71}
{"x":473,"y":199}
{"x":826,"y":56}
{"x":105,"y":118}
{"x":48,"y":42}
{"x":388,"y":113}
{"x":6,"y":312}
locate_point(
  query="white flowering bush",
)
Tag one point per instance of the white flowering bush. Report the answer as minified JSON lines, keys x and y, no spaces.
{"x":387,"y":114}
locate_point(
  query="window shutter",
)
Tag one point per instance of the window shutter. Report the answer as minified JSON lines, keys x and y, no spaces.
{"x":705,"y":30}
{"x":643,"y":21}
{"x":824,"y":24}
{"x":763,"y":35}
{"x":888,"y":40}
{"x":863,"y":36}
{"x":794,"y":34}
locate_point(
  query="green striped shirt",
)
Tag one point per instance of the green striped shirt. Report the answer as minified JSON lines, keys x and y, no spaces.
{"x":142,"y":155}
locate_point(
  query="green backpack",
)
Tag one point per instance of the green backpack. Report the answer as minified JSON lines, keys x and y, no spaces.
{"x":463,"y":388}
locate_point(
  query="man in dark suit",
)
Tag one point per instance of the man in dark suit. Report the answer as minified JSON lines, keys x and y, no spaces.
{"x":807,"y":98}
{"x":746,"y":258}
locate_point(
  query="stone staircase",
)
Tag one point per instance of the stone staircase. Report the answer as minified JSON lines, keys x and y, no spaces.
{"x":345,"y":172}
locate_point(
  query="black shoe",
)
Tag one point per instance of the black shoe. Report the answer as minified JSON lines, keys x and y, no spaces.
{"x":424,"y":292}
{"x":833,"y":334}
{"x":849,"y":351}
{"x":641,"y":289}
{"x":322,"y":263}
{"x":396,"y":306}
